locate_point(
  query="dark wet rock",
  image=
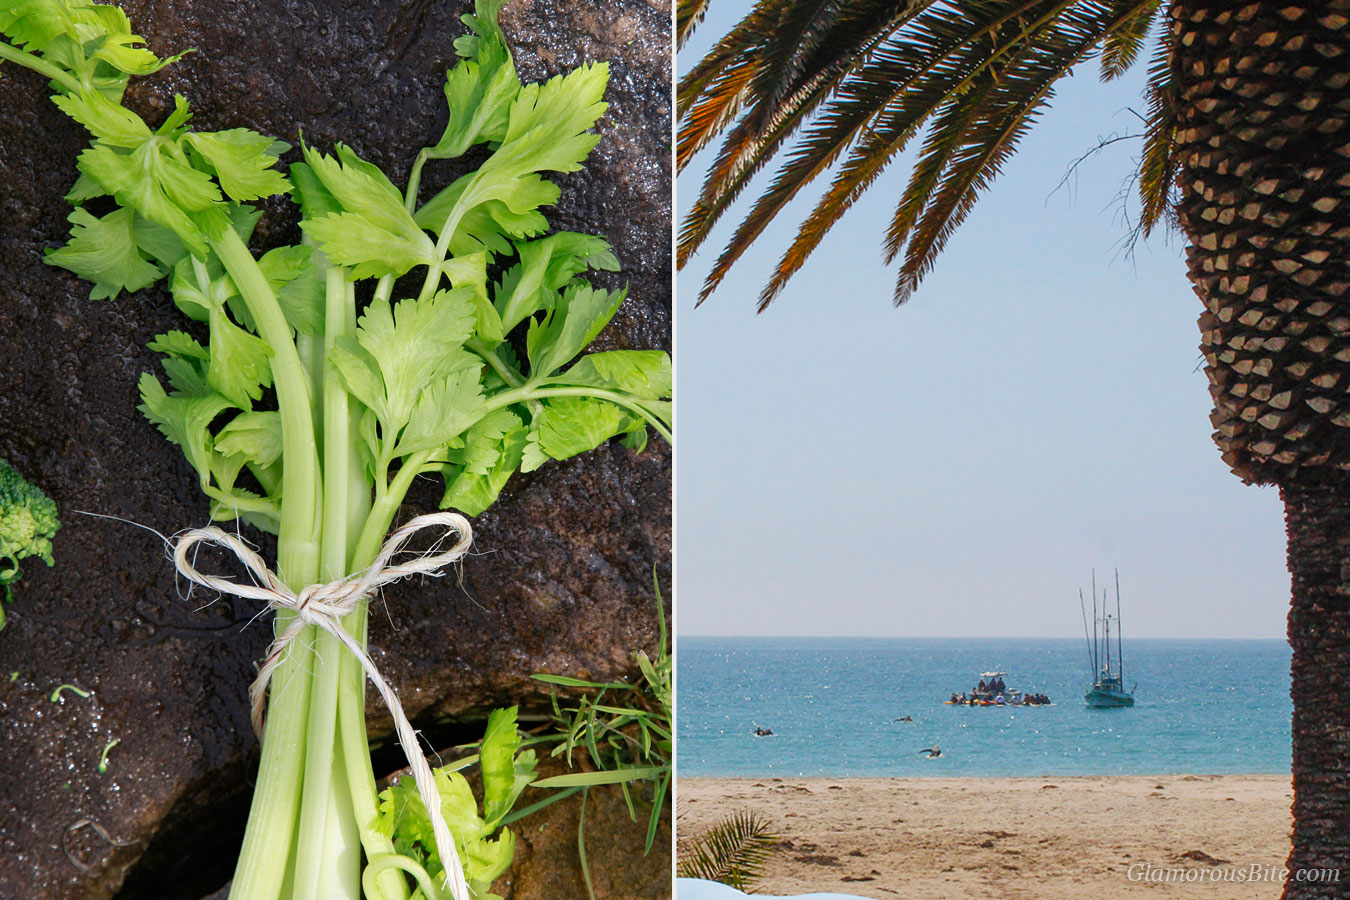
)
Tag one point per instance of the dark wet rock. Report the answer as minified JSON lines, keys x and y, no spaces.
{"x":547,"y":866}
{"x":563,"y":582}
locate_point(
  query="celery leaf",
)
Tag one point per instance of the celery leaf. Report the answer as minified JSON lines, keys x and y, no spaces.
{"x":571,"y":425}
{"x":444,"y":409}
{"x":480,"y":90}
{"x":298,"y":280}
{"x":184,"y":420}
{"x":105,"y":251}
{"x":255,"y":436}
{"x":505,"y":774}
{"x":352,"y":239}
{"x":548,"y":128}
{"x":242,"y":160}
{"x":110,"y":122}
{"x":642,"y":373}
{"x":492,"y":451}
{"x":574,"y":321}
{"x":240,"y":366}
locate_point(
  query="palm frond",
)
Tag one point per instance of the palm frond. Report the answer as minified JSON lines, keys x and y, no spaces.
{"x":970,"y":171}
{"x":688,"y":16}
{"x":976,"y":75}
{"x":732,"y":852}
{"x":714,"y":95}
{"x":1123,"y":43}
{"x":714,"y":111}
{"x":946,"y":136}
{"x":711,"y":94}
{"x":1025,"y":85}
{"x":965,"y":60}
{"x":882,"y":105}
{"x":792,"y":36}
{"x":1158,"y":167}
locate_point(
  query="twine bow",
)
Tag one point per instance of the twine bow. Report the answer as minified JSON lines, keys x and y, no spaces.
{"x":324,"y":605}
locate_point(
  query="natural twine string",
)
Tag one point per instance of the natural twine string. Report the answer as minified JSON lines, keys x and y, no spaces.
{"x":324,"y":605}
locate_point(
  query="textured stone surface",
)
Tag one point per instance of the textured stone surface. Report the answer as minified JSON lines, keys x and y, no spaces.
{"x":548,"y":867}
{"x":563,"y":581}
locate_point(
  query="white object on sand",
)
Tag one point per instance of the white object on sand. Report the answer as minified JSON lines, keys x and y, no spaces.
{"x":696,"y":889}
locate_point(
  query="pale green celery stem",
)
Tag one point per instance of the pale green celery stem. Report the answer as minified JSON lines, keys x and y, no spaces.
{"x":426,"y":890}
{"x":352,"y":717}
{"x":354,"y":748}
{"x":414,"y":182}
{"x":387,"y":503}
{"x":356,"y":753}
{"x":490,"y":357}
{"x":388,"y":883}
{"x":237,"y":504}
{"x":320,"y":813}
{"x":39,"y":65}
{"x":383,"y":288}
{"x":310,"y":348}
{"x":301,"y":491}
{"x":361,"y":779}
{"x":343,"y":874}
{"x":433,"y":278}
{"x":265,"y":856}
{"x":528,"y":392}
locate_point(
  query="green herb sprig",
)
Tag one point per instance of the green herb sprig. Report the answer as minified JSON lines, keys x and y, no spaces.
{"x":482,"y":839}
{"x":624,"y":731}
{"x":28,"y":522}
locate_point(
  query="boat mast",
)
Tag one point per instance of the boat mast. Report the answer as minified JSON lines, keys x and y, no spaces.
{"x":1087,"y":638}
{"x":1106,"y":632}
{"x":1120,"y":645}
{"x":1096,"y":630}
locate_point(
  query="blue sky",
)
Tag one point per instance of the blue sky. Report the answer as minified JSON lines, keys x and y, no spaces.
{"x":960,"y":465}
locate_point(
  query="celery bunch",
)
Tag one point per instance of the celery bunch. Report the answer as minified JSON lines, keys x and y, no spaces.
{"x":309,"y":415}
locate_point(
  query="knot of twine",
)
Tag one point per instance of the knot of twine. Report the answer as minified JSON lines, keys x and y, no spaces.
{"x":324,"y":605}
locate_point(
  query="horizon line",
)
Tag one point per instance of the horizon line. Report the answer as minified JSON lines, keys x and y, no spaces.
{"x":982,"y":637}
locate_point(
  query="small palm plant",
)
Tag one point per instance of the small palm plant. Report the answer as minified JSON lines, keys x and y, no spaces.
{"x":732,"y":852}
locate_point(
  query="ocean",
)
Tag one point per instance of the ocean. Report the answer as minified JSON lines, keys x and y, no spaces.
{"x":834,"y":705}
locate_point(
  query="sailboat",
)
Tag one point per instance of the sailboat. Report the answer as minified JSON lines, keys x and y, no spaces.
{"x":1107,"y":690}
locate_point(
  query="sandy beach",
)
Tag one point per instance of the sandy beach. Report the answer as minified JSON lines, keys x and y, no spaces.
{"x":1012,"y":838}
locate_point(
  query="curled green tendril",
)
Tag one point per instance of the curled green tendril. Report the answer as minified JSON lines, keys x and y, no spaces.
{"x":56,"y":694}
{"x":103,"y":757}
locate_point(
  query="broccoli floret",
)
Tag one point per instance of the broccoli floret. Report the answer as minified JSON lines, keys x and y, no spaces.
{"x":27,"y":524}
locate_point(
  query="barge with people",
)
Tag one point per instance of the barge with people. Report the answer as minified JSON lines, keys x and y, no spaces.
{"x":993,"y":691}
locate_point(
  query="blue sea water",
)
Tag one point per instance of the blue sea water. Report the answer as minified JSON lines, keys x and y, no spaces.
{"x":1201,"y":706}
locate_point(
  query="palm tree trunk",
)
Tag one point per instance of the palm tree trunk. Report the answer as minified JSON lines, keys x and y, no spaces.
{"x":1262,"y":140}
{"x":1317,"y":515}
